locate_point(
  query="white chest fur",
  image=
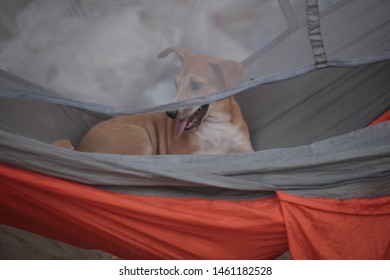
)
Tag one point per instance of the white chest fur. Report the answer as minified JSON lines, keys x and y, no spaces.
{"x":220,"y":138}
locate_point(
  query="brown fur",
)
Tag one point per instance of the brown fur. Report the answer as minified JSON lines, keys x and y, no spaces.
{"x":151,"y":134}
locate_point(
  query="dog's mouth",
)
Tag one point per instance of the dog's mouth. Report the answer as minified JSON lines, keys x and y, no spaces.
{"x":191,"y":122}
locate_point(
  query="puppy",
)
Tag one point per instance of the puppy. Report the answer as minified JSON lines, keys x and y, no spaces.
{"x":214,"y":128}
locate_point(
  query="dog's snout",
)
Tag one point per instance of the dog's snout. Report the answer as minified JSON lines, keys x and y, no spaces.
{"x":171,"y":114}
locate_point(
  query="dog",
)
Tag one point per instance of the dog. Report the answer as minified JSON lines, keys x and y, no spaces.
{"x":215,"y":128}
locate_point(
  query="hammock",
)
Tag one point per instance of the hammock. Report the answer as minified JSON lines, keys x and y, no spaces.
{"x":318,"y":183}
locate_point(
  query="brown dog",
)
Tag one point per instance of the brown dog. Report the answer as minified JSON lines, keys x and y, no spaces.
{"x":217,"y":127}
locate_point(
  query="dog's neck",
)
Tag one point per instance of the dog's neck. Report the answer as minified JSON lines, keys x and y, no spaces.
{"x":217,"y":138}
{"x":223,"y":131}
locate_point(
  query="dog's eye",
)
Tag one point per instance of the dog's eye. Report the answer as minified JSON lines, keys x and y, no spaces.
{"x":195,"y":85}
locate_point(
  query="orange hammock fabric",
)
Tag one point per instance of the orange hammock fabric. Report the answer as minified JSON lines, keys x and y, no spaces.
{"x":141,"y":227}
{"x":145,"y":227}
{"x":384,"y":117}
{"x":332,"y":229}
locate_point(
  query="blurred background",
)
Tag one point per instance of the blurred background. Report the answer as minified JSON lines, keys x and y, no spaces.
{"x":105,"y":51}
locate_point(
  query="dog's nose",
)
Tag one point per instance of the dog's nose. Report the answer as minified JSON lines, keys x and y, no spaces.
{"x":171,"y":114}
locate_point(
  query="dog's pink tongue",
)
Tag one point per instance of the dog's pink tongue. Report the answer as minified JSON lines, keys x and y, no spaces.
{"x":179,"y":128}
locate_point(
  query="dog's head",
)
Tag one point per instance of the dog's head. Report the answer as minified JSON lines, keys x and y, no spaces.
{"x":201,"y":75}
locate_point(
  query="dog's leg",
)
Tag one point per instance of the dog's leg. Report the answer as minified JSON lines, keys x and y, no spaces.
{"x":243,"y":149}
{"x":122,"y":139}
{"x":63,"y":143}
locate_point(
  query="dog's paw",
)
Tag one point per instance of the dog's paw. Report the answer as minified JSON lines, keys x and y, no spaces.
{"x":63,"y":143}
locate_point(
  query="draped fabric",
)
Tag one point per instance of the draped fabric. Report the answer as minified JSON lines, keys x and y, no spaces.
{"x":315,"y":97}
{"x":147,"y":227}
{"x":141,"y":227}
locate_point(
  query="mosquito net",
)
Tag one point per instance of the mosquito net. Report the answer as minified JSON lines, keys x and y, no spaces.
{"x":101,"y":56}
{"x":315,"y":70}
{"x":317,"y":76}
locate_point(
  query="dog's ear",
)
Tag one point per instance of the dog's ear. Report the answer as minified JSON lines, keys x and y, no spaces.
{"x":181,"y":53}
{"x":229,"y":72}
